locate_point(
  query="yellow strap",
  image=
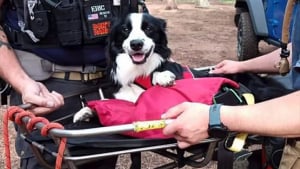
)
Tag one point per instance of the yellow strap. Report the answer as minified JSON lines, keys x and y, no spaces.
{"x":249,"y":98}
{"x":240,"y":139}
{"x":238,"y":142}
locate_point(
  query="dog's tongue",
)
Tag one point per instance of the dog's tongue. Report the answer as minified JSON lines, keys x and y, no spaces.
{"x":138,"y":57}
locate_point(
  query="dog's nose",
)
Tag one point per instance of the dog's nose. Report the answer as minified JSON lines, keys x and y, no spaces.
{"x":136,"y":44}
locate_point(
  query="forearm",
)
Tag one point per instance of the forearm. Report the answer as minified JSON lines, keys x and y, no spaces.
{"x":265,"y":63}
{"x":277,"y":117}
{"x":10,"y":69}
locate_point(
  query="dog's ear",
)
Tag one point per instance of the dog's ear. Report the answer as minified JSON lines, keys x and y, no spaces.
{"x":114,"y":21}
{"x":110,"y":53}
{"x":163,"y":23}
{"x":163,"y":39}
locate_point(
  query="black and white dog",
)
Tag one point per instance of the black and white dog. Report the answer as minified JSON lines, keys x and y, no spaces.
{"x":138,"y":57}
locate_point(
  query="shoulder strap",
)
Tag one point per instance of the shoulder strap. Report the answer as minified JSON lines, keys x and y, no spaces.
{"x":134,"y":6}
{"x":283,"y":65}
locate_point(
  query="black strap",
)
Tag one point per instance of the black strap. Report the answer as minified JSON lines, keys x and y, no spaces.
{"x":135,"y":160}
{"x":3,"y":99}
{"x":225,"y":157}
{"x":5,"y":89}
{"x":134,"y":6}
{"x":124,"y":8}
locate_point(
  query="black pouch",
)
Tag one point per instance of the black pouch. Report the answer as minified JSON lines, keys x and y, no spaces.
{"x":68,"y":23}
{"x":38,"y":19}
{"x":96,"y":19}
{"x":228,"y":96}
{"x":32,"y":16}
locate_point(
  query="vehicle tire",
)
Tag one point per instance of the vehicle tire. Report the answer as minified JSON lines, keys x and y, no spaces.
{"x":247,"y":41}
{"x":237,"y":14}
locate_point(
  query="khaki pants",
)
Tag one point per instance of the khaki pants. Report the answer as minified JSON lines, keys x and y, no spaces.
{"x":291,"y":157}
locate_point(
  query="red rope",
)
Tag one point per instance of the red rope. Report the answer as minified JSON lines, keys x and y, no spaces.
{"x":20,"y":115}
{"x":16,"y":114}
{"x":31,"y":124}
{"x":62,"y":145}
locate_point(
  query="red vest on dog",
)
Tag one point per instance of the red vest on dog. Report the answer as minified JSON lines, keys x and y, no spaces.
{"x":157,"y":100}
{"x":146,"y":82}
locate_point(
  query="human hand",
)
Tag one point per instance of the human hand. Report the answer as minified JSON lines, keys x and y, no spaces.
{"x":228,"y":67}
{"x":42,"y":100}
{"x":190,"y":124}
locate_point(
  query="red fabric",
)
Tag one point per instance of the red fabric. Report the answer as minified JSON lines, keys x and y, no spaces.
{"x":146,"y":81}
{"x":155,"y":101}
{"x":187,"y":73}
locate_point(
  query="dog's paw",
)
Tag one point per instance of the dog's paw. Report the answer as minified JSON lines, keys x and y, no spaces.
{"x":83,"y":114}
{"x":165,"y":78}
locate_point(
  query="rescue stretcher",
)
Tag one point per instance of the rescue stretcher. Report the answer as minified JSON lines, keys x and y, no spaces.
{"x":198,"y":156}
{"x":91,"y":135}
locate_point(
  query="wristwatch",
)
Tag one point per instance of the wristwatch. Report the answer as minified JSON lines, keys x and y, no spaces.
{"x":216,"y":128}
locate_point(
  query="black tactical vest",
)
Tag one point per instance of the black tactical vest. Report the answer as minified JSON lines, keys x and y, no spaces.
{"x":65,"y":22}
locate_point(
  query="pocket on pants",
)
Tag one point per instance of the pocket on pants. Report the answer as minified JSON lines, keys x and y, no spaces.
{"x":290,"y":157}
{"x":32,"y":65}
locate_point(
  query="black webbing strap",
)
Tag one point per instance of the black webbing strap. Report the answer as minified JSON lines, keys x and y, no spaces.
{"x":129,"y":6}
{"x":124,"y":9}
{"x":134,"y":6}
{"x":4,"y":92}
{"x":225,"y":157}
{"x":136,"y":160}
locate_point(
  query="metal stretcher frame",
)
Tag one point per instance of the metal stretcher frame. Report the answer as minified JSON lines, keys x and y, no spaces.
{"x":191,"y":160}
{"x":198,"y":156}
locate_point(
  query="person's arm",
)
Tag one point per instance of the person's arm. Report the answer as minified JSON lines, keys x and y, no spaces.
{"x":266,"y":63}
{"x":31,"y":91}
{"x":10,"y":69}
{"x":261,"y":64}
{"x":277,"y":117}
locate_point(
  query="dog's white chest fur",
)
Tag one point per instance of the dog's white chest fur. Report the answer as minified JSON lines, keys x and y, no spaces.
{"x":126,"y":71}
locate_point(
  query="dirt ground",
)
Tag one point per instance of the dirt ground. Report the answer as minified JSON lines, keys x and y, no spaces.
{"x":197,"y":36}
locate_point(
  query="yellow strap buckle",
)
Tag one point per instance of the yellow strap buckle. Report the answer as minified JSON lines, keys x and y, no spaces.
{"x":240,"y":139}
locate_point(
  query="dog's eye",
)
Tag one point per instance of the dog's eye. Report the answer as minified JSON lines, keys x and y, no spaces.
{"x":148,"y":29}
{"x":125,"y":29}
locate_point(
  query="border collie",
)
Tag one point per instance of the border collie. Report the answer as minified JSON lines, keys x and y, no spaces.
{"x":138,"y":57}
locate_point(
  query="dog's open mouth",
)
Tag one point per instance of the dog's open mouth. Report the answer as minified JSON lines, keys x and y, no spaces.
{"x":139,"y":57}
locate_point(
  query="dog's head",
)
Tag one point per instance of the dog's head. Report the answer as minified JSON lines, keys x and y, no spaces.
{"x":138,"y":36}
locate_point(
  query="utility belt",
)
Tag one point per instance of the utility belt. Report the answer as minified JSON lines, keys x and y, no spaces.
{"x":76,"y":76}
{"x":72,"y":23}
{"x":76,"y":73}
{"x":40,"y":69}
